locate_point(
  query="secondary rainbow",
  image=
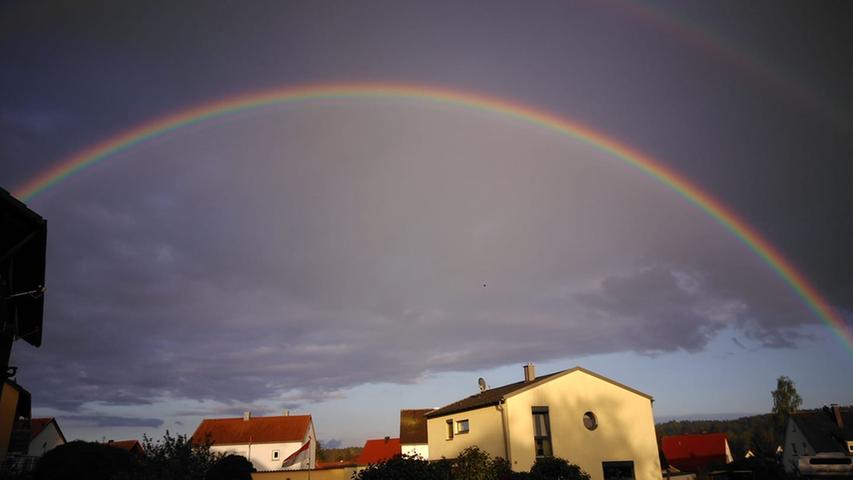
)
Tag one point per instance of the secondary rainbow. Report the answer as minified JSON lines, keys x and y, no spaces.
{"x":299,"y":94}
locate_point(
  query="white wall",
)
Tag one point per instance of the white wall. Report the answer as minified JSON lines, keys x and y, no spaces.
{"x":261,"y":454}
{"x":421,"y":450}
{"x":795,"y":447}
{"x":48,"y":439}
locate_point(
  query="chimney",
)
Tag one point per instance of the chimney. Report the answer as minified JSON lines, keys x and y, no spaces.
{"x":285,"y":412}
{"x":247,"y":415}
{"x":836,"y":411}
{"x":529,"y":372}
{"x":387,"y":439}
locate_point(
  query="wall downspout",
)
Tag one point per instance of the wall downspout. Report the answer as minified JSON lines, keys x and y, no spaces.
{"x":505,"y":424}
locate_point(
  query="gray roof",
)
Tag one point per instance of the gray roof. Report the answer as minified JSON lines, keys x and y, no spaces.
{"x":494,"y":396}
{"x":821,"y":431}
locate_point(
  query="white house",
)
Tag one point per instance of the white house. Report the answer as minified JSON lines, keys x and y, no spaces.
{"x":819,"y":442}
{"x":413,"y":432}
{"x":286,"y":442}
{"x":601,"y":425}
{"x":45,"y":435}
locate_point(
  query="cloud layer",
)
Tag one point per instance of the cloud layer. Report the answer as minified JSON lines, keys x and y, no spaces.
{"x":282,"y":256}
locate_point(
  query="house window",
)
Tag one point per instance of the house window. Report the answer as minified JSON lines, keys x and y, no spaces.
{"x":794,"y":448}
{"x":618,"y":470}
{"x":462,"y":426}
{"x":542,"y":432}
{"x":450,"y":429}
{"x":275,"y":454}
{"x":589,"y":421}
{"x":850,"y":447}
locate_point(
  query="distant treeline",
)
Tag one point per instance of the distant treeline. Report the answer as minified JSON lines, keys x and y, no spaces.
{"x":337,"y":454}
{"x":757,"y":433}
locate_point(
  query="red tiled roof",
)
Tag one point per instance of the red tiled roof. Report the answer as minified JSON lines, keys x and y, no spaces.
{"x":129,"y":445}
{"x":231,"y":431}
{"x":375,"y":451}
{"x":691,"y":453}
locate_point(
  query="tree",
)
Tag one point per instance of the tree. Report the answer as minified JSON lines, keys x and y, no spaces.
{"x":786,"y":400}
{"x":174,"y":458}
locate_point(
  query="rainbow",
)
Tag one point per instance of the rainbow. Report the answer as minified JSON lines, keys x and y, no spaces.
{"x":299,"y":94}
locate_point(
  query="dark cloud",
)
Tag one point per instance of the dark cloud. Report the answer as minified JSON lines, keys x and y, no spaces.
{"x":352,"y":252}
{"x":112,"y":421}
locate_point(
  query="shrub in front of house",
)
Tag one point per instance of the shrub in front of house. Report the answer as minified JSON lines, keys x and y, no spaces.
{"x":556,"y":468}
{"x":400,"y":467}
{"x":92,"y":461}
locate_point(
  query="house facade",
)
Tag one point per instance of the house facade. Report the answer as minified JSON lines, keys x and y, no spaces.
{"x":819,"y":442}
{"x":601,"y":425}
{"x":45,"y":435}
{"x":413,"y":432}
{"x":285,"y":442}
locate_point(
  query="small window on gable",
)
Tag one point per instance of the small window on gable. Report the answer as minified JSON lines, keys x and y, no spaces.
{"x":276,"y":454}
{"x":450,"y":429}
{"x":462,"y":426}
{"x":794,"y":448}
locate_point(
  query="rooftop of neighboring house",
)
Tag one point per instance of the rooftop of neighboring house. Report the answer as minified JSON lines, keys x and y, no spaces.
{"x":413,"y":426}
{"x":696,"y":451}
{"x":132,"y":446}
{"x":377,"y":450}
{"x":37,"y":425}
{"x":703,"y":444}
{"x":249,"y":429}
{"x":827,"y":429}
{"x":493,"y":396}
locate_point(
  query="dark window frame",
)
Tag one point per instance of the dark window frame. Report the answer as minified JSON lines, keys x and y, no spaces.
{"x":459,"y":423}
{"x":543,"y":444}
{"x":620,"y":464}
{"x":449,"y":432}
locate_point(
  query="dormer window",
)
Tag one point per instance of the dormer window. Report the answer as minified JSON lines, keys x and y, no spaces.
{"x":276,"y":455}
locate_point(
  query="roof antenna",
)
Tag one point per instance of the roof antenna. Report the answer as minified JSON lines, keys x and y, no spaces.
{"x":482,"y":382}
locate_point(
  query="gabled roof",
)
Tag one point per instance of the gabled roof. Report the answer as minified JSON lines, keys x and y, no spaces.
{"x":413,"y":426}
{"x":132,"y":446}
{"x":37,"y":425}
{"x":820,"y":429}
{"x":237,"y":431}
{"x":494,"y":396}
{"x":377,"y":450}
{"x":695,"y":452}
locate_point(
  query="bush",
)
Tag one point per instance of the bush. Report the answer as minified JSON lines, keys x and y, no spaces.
{"x":555,"y":468}
{"x":177,"y":458}
{"x":231,"y":467}
{"x":401,"y":467}
{"x":92,"y":461}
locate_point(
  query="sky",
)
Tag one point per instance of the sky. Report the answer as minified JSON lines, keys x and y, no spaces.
{"x":351,"y":257}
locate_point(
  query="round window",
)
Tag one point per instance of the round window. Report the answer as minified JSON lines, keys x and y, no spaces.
{"x":589,"y":421}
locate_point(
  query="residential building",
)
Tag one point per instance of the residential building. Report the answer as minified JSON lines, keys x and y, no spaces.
{"x":819,"y":442}
{"x":131,"y":446}
{"x":697,"y":452}
{"x":599,"y":424}
{"x":413,"y":432}
{"x":286,"y":442}
{"x":45,"y":435}
{"x":378,"y":450}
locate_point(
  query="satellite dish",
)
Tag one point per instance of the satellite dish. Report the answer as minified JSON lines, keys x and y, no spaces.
{"x":482,"y":382}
